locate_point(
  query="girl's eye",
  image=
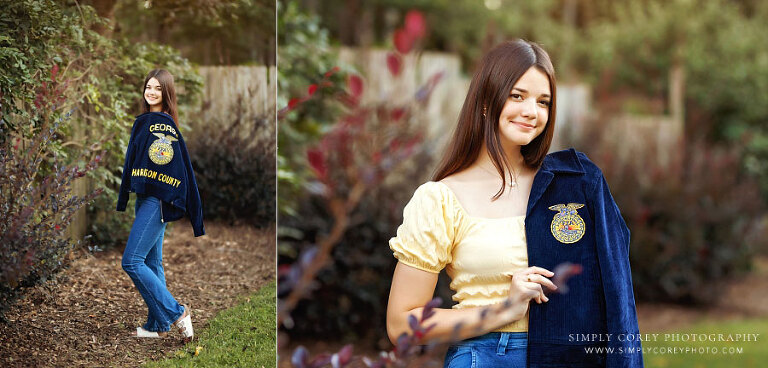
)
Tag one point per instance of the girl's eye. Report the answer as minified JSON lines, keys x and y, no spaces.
{"x":515,"y":96}
{"x":544,"y":103}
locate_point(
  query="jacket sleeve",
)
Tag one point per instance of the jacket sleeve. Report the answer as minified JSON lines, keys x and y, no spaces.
{"x":125,"y":182}
{"x":193,"y":203}
{"x":613,"y":256}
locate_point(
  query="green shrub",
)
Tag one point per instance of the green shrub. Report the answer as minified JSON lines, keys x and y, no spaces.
{"x":103,"y":77}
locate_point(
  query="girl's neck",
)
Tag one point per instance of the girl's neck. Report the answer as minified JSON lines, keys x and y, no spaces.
{"x":155,"y":108}
{"x":513,"y":155}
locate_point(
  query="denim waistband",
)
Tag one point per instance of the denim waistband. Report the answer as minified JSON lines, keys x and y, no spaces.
{"x":500,"y":340}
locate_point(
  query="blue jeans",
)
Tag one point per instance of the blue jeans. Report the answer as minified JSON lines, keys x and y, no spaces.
{"x":143,"y":262}
{"x":492,"y":350}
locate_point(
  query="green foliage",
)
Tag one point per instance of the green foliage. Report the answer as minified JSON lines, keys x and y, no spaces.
{"x":209,"y":32}
{"x":464,"y":27}
{"x":306,"y":54}
{"x":242,"y":336}
{"x":722,"y":47}
{"x":35,"y":35}
{"x":103,"y":78}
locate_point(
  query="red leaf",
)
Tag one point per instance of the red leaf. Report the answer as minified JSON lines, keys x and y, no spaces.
{"x":54,"y":71}
{"x":398,"y":113}
{"x":355,"y":85}
{"x":393,"y":63}
{"x":292,"y":103}
{"x":331,"y":72}
{"x":312,"y":88}
{"x":415,"y":24}
{"x":403,"y":41}
{"x":317,"y":162}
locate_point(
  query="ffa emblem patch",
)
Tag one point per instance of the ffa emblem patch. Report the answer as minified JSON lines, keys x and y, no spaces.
{"x":161,"y":151}
{"x":567,"y":226}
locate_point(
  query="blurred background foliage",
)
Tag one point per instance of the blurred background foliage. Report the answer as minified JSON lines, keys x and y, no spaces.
{"x":207,"y":32}
{"x":306,"y":49}
{"x":699,"y":222}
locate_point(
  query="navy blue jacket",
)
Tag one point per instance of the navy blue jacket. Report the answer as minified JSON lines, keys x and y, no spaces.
{"x":157,"y":164}
{"x":600,"y":300}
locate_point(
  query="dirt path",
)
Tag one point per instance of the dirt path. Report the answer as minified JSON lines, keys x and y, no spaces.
{"x":85,"y":319}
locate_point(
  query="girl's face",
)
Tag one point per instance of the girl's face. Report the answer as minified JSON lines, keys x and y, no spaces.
{"x":526,"y":111}
{"x":153,"y":94}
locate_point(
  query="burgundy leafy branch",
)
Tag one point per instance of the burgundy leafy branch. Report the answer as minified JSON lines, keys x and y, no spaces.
{"x":365,"y":145}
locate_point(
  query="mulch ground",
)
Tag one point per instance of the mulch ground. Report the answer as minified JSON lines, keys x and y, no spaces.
{"x":85,"y":318}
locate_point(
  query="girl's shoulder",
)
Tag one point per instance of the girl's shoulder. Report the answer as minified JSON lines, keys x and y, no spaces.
{"x":155,"y":115}
{"x":570,"y":161}
{"x":435,"y":194}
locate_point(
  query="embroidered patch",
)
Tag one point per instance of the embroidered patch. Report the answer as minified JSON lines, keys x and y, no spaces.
{"x":567,"y":226}
{"x":161,"y":150}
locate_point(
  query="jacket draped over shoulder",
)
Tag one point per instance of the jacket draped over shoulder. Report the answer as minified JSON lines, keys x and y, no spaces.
{"x":157,"y":164}
{"x":572,"y":218}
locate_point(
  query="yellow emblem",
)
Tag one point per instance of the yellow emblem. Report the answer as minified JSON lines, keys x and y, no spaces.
{"x":567,"y":226}
{"x":161,"y":150}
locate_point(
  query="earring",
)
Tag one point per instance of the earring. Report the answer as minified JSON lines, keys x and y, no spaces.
{"x":485,"y":108}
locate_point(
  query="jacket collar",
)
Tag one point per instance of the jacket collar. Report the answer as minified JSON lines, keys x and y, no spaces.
{"x":565,"y":161}
{"x":155,"y":114}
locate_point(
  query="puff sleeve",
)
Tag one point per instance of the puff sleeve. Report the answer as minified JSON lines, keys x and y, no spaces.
{"x":425,"y":239}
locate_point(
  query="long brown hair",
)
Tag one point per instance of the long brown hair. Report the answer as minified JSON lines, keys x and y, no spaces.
{"x":168,"y":91}
{"x":478,"y":121}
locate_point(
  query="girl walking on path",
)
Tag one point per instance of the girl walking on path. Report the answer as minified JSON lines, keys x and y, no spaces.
{"x":157,"y":168}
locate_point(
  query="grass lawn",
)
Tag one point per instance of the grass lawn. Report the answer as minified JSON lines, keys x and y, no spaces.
{"x":242,"y":336}
{"x":711,"y":353}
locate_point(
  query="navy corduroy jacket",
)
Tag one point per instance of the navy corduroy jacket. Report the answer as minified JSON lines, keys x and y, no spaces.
{"x":157,"y":164}
{"x":594,"y":324}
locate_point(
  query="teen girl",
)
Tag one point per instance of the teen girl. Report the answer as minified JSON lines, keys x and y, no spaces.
{"x":157,"y":168}
{"x":499,"y":216}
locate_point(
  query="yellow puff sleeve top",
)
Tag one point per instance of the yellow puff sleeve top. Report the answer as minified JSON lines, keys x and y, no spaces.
{"x":478,"y":254}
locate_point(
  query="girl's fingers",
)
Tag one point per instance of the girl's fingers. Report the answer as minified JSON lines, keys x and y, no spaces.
{"x":542,"y":280}
{"x":537,"y":270}
{"x":537,"y":292}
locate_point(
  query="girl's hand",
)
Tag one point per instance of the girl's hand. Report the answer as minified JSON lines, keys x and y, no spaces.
{"x":533,"y":278}
{"x":527,"y":285}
